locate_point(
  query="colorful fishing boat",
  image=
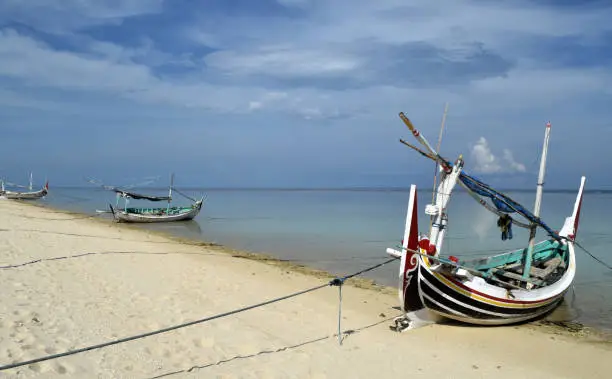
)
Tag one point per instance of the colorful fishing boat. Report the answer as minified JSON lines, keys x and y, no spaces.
{"x":498,"y":289}
{"x":23,"y":195}
{"x":153,"y":214}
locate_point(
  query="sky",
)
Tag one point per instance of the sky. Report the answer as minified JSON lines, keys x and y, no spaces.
{"x":303,"y":93}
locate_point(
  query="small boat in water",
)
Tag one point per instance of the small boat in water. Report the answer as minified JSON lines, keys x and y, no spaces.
{"x":498,"y":289}
{"x":25,"y":195}
{"x":153,"y":214}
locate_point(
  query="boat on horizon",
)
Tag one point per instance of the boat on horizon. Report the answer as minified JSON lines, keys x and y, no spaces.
{"x":498,"y":289}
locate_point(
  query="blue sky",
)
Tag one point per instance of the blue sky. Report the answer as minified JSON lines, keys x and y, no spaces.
{"x":303,"y":93}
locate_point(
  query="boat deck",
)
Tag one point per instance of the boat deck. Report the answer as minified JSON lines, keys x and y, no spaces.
{"x":548,"y":265}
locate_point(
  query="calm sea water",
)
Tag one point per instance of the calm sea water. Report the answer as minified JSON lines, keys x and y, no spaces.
{"x":346,"y":230}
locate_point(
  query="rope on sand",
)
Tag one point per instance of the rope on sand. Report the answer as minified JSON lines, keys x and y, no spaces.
{"x":335,"y":282}
{"x":63,"y":257}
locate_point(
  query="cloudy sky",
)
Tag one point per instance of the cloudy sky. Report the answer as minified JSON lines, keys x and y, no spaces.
{"x":303,"y":93}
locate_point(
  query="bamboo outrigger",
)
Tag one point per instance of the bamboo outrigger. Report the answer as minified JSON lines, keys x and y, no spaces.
{"x":496,"y":290}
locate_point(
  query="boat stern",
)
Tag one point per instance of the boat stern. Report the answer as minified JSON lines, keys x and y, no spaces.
{"x":570,"y":227}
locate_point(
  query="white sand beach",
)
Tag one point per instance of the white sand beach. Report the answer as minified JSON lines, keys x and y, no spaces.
{"x":138,"y":281}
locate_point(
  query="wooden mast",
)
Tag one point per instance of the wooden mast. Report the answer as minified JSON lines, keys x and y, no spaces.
{"x":538,"y":202}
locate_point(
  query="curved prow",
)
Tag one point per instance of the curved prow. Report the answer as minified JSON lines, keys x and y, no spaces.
{"x":570,"y":228}
{"x":408,"y":283}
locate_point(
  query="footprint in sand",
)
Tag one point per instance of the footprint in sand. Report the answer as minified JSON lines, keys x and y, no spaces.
{"x":40,"y":368}
{"x":204,"y":342}
{"x":61,"y":369}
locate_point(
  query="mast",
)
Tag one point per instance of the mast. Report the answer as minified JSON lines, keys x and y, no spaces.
{"x":433,"y":190}
{"x":170,"y":191}
{"x":448,"y":179}
{"x":538,"y":202}
{"x":30,"y":182}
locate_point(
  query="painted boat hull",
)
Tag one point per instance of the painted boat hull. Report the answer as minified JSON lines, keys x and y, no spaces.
{"x":35,"y":195}
{"x":430,"y":287}
{"x":477,"y":302}
{"x":123,"y":216}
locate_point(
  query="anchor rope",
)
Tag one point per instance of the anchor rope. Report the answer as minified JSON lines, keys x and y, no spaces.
{"x":593,"y":256}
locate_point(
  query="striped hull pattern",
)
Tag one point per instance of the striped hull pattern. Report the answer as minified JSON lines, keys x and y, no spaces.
{"x":466,"y":305}
{"x":131,"y":217}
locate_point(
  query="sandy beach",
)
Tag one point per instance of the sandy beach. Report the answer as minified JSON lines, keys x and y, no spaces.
{"x":132,"y":281}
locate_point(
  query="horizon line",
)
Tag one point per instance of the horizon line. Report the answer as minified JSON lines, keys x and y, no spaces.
{"x":352,"y":188}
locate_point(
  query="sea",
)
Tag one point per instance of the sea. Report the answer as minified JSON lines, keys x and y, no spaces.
{"x":346,"y":230}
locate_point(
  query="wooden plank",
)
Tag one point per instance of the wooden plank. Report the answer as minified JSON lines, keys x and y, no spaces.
{"x":550,"y":265}
{"x":515,"y":276}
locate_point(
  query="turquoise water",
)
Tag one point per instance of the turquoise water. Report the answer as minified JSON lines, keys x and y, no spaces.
{"x":344,"y":231}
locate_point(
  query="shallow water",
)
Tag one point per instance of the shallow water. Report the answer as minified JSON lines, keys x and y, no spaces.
{"x":344,"y":231}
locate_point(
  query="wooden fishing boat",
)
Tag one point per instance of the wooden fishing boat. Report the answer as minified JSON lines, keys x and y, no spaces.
{"x":26,"y":195}
{"x":153,"y":214}
{"x":498,"y":289}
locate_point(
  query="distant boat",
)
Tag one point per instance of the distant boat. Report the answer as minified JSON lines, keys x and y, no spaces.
{"x":26,"y":195}
{"x":153,"y":214}
{"x":498,"y":289}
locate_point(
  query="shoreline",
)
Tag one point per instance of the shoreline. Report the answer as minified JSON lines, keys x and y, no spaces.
{"x":567,"y":328}
{"x":135,"y":281}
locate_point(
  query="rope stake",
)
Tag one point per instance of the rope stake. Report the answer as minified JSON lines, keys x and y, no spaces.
{"x":339,"y":282}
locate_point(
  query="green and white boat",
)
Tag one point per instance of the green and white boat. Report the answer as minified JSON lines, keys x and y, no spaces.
{"x":153,"y":214}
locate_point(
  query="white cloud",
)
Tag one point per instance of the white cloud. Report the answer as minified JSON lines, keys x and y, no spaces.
{"x":283,"y":61}
{"x":67,"y":15}
{"x":513,"y":165}
{"x":324,"y":43}
{"x":487,"y":163}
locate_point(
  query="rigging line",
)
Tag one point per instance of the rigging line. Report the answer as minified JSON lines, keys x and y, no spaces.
{"x":592,"y":256}
{"x":488,"y":207}
{"x":498,"y":195}
{"x":333,"y":282}
{"x":513,"y":205}
{"x":181,"y":193}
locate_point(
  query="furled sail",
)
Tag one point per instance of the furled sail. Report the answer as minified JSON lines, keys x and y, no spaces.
{"x":136,"y":196}
{"x":503,"y":203}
